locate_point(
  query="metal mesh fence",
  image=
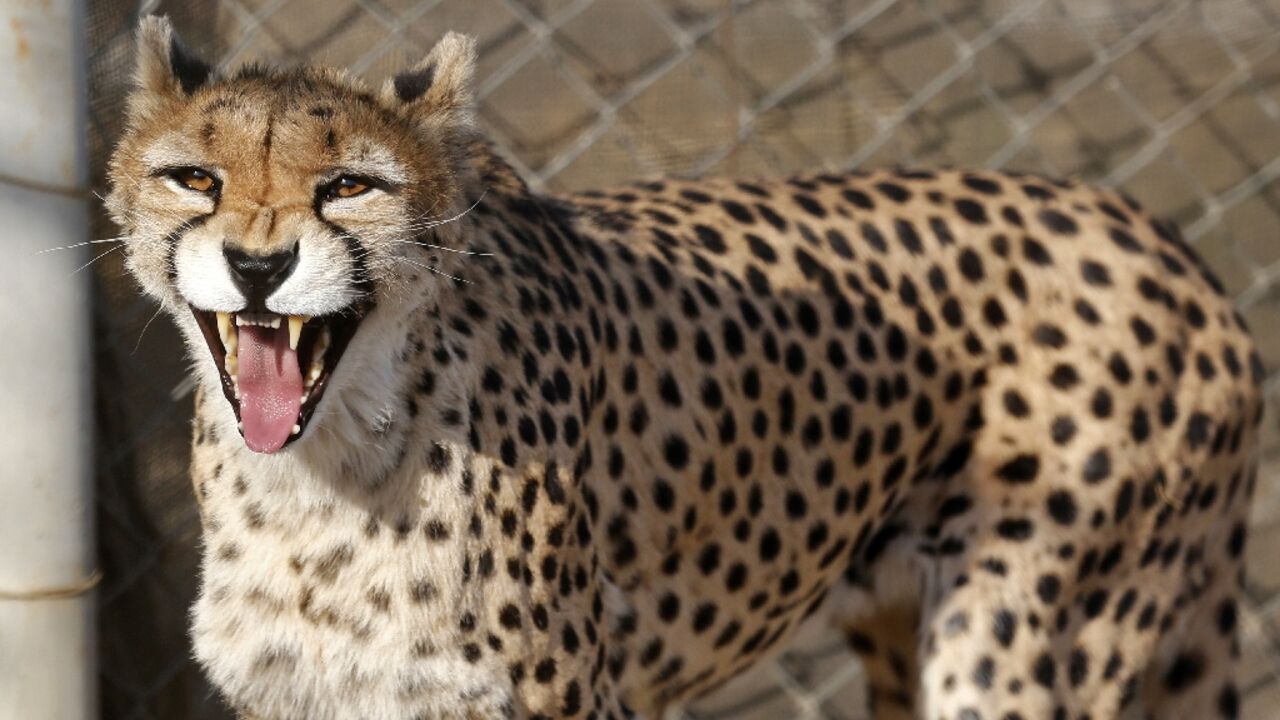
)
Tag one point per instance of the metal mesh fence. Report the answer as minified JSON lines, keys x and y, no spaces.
{"x":1177,"y":101}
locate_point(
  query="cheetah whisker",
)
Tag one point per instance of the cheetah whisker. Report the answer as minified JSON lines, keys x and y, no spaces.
{"x":435,"y":270}
{"x":121,"y":239}
{"x":445,"y":221}
{"x":94,"y":260}
{"x":477,"y":253}
{"x":145,"y":327}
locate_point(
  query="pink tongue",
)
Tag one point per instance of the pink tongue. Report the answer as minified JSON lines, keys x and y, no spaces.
{"x":270,"y":387}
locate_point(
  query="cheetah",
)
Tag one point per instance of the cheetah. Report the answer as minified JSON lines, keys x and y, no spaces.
{"x":467,"y":450}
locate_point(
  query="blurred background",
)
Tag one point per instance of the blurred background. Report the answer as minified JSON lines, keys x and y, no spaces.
{"x":1175,"y":101}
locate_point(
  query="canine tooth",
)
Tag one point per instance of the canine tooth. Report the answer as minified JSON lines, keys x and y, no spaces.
{"x":232,"y":364}
{"x":224,"y":326}
{"x":295,"y":330}
{"x":297,"y":428}
{"x":322,"y":344}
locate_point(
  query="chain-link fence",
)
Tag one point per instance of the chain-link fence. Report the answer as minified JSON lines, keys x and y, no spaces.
{"x":1176,"y":101}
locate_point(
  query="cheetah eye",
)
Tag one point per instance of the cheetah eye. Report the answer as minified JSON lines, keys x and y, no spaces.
{"x":194,"y":178}
{"x":347,"y":186}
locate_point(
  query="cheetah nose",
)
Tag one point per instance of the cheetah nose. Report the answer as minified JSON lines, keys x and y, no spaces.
{"x":257,"y":276}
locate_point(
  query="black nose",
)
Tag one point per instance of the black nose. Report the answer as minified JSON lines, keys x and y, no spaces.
{"x":258,"y":276}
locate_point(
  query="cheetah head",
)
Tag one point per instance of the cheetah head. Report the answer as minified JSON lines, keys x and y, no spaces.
{"x":284,"y":216}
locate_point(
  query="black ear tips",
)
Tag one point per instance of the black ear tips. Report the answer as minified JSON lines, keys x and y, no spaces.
{"x":414,"y":84}
{"x":191,"y":71}
{"x":439,"y":85}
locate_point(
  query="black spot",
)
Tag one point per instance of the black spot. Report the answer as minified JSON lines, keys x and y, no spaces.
{"x":1058,"y":223}
{"x":770,"y":545}
{"x":761,"y":249}
{"x":1142,"y":330}
{"x":1095,"y":603}
{"x":1097,"y":467}
{"x":1035,"y":252}
{"x":704,"y":617}
{"x":711,"y":239}
{"x":971,"y":265}
{"x":737,"y":211}
{"x":809,"y":205}
{"x":1124,"y":240}
{"x":839,"y":244}
{"x":1095,"y":273}
{"x":1198,"y":428}
{"x":1044,"y":671}
{"x":545,"y":671}
{"x":1064,"y":376}
{"x":894,"y":192}
{"x":1048,"y":587}
{"x":709,"y":559}
{"x":1229,"y":702}
{"x":1049,"y":335}
{"x":669,"y":390}
{"x":993,"y":313}
{"x":857,"y":198}
{"x":1227,"y":617}
{"x":1087,"y":312}
{"x":908,"y":236}
{"x":664,"y":495}
{"x":972,"y":211}
{"x":1186,"y":669}
{"x":1140,"y":425}
{"x":981,"y":184}
{"x":1021,"y":469}
{"x":1004,"y":625}
{"x":983,"y":672}
{"x":1018,"y":529}
{"x":1062,"y":507}
{"x":669,"y":607}
{"x":676,"y":451}
{"x":1078,"y":667}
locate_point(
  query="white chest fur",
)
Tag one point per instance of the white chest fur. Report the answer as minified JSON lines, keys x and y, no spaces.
{"x":321,"y":604}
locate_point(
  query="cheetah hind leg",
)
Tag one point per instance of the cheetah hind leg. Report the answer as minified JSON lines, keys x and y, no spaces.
{"x":1195,"y":668}
{"x":885,"y":642}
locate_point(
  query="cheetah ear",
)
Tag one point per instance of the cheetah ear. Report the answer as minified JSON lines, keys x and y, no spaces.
{"x":166,"y":69}
{"x":437,"y":91}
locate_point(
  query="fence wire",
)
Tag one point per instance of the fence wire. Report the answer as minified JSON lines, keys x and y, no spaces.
{"x":1176,"y":101}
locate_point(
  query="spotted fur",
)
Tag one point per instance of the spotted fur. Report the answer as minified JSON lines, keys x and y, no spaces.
{"x":996,"y":428}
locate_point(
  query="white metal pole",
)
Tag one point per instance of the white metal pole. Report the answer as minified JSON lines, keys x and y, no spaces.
{"x":47,"y":643}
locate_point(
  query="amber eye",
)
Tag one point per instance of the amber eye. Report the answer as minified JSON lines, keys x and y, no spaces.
{"x":195,"y":179}
{"x":347,"y":186}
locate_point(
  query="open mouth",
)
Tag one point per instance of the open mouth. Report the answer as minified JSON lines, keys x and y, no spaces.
{"x":275,"y":368}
